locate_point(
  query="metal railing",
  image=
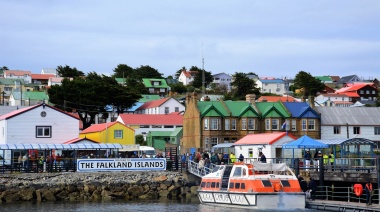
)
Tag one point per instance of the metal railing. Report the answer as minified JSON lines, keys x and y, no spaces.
{"x":344,"y":194}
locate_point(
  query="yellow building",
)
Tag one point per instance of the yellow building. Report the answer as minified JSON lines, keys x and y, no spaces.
{"x":113,"y":132}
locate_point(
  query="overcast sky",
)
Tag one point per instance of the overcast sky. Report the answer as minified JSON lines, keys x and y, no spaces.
{"x":268,"y":37}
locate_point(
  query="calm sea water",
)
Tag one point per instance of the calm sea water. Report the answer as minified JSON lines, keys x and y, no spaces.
{"x":192,"y":205}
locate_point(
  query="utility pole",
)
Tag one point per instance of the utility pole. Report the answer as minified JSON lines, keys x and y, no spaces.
{"x":203,"y":75}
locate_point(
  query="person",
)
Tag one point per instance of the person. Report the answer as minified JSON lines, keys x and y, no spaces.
{"x":325,"y":160}
{"x":207,"y":164}
{"x":313,"y":188}
{"x":368,"y":193}
{"x":307,"y":160}
{"x":303,"y":184}
{"x":241,"y":158}
{"x":232,"y":157}
{"x":201,"y":164}
{"x":332,"y":160}
{"x":225,"y":158}
{"x":317,"y":155}
{"x":263,"y":159}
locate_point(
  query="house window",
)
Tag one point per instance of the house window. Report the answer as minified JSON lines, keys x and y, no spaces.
{"x":207,"y":143}
{"x":275,"y":124}
{"x":214,"y":141}
{"x":43,"y":132}
{"x":294,"y":125}
{"x":361,"y":92}
{"x":251,"y":124}
{"x":162,"y":90}
{"x":205,"y":124}
{"x":336,"y":129}
{"x":233,"y":124}
{"x":377,"y":130}
{"x":214,"y":124}
{"x":267,"y":124}
{"x":373,"y":92}
{"x":166,"y":110}
{"x":244,"y":124}
{"x":311,"y":125}
{"x":156,"y":83}
{"x":118,"y":134}
{"x":367,"y":91}
{"x":356,"y":130}
{"x":226,"y":124}
{"x":304,"y":124}
{"x":176,"y":109}
{"x":151,"y":90}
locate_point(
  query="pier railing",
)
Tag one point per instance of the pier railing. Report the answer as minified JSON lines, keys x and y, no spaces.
{"x":344,"y":194}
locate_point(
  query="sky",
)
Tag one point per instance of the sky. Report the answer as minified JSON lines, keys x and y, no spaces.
{"x":272,"y":38}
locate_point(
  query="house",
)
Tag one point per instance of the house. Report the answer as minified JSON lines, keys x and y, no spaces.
{"x":364,"y":93}
{"x":222,"y":79}
{"x":162,"y":106}
{"x":111,"y":132}
{"x":156,"y":86}
{"x":52,"y":71}
{"x":324,"y":79}
{"x":149,"y":97}
{"x":41,"y":79}
{"x":13,"y":74}
{"x":350,"y":122}
{"x":56,"y":81}
{"x":38,"y":124}
{"x":333,"y":100}
{"x":186,"y":77}
{"x":285,"y":98}
{"x":270,"y":144}
{"x":208,"y":123}
{"x":164,"y":139}
{"x":271,"y":85}
{"x":348,"y":79}
{"x":9,"y":85}
{"x":145,"y":123}
{"x":27,"y":98}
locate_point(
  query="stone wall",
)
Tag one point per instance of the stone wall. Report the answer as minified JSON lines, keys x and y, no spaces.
{"x":94,"y":186}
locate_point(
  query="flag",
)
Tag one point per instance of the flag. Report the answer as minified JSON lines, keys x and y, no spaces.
{"x":283,"y":125}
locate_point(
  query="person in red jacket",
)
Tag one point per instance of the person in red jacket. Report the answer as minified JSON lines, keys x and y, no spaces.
{"x":368,"y":192}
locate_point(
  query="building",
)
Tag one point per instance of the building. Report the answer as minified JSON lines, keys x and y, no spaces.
{"x":111,"y":132}
{"x":271,"y":85}
{"x":24,"y":75}
{"x":208,"y":123}
{"x":333,"y":100}
{"x":162,"y":106}
{"x":186,"y":77}
{"x":222,"y":79}
{"x":364,"y":93}
{"x":156,"y":86}
{"x":38,"y":124}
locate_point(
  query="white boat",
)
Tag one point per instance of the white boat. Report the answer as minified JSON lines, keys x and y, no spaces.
{"x":268,"y":186}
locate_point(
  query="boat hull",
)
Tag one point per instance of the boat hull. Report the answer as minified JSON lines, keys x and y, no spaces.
{"x":277,"y":200}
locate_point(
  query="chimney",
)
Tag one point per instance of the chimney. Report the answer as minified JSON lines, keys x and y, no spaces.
{"x":251,"y":98}
{"x":206,"y":98}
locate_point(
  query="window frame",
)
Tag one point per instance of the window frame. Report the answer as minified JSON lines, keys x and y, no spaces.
{"x":227,"y":124}
{"x":118,"y":134}
{"x":206,"y":124}
{"x":356,"y":130}
{"x":214,"y":124}
{"x":244,"y":124}
{"x":43,"y":128}
{"x":251,"y":124}
{"x":337,"y":130}
{"x":233,"y":124}
{"x":376,"y":130}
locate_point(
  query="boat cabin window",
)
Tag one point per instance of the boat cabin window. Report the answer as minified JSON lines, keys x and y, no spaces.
{"x":243,"y":186}
{"x":232,"y":185}
{"x":203,"y":184}
{"x":285,"y":183}
{"x":208,"y":185}
{"x":237,"y":172}
{"x":267,"y":183}
{"x":213,"y":185}
{"x":237,"y":185}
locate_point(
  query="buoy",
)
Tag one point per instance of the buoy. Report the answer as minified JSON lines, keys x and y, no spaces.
{"x":358,"y":189}
{"x":277,"y":187}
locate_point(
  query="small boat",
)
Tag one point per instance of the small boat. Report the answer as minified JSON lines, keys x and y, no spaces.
{"x":255,"y":185}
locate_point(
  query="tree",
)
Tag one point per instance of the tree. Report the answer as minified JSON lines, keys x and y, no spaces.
{"x":178,"y":88}
{"x":140,"y":140}
{"x":147,"y":72}
{"x":242,"y":86}
{"x":309,"y":84}
{"x":3,"y":68}
{"x":67,"y":71}
{"x":198,"y":78}
{"x":124,"y":71}
{"x":89,"y":96}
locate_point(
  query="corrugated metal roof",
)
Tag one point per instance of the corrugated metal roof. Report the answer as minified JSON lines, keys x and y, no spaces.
{"x":60,"y":146}
{"x":347,"y":141}
{"x":350,"y":115}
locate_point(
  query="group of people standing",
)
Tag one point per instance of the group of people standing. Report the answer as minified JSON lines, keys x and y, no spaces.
{"x":327,"y":159}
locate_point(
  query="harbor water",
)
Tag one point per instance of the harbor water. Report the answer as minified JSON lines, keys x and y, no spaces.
{"x":192,"y":205}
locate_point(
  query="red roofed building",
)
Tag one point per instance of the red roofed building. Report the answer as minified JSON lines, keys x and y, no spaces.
{"x":268,"y":143}
{"x":144,"y":123}
{"x":361,"y":92}
{"x":187,"y":76}
{"x":161,"y":106}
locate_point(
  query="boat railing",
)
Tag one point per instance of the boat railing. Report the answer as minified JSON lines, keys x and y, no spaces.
{"x":345,"y":194}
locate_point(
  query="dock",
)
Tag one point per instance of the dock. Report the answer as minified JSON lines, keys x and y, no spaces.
{"x":330,"y":205}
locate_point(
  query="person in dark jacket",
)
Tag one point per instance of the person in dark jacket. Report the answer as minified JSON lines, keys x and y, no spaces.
{"x":313,"y":188}
{"x":368,"y":193}
{"x":263,"y":159}
{"x":241,"y":157}
{"x":303,"y":184}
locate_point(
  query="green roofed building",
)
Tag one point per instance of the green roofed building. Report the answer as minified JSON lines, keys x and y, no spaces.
{"x":27,"y":98}
{"x":208,"y":123}
{"x":156,"y":86}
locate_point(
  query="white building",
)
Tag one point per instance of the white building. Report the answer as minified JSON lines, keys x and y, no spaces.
{"x":25,"y":75}
{"x":222,"y":79}
{"x":271,"y":85}
{"x":161,"y":106}
{"x":38,"y":124}
{"x":333,"y":100}
{"x":350,"y":122}
{"x":186,"y":77}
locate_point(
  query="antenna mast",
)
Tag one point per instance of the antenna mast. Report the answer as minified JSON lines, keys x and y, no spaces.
{"x":203,"y":74}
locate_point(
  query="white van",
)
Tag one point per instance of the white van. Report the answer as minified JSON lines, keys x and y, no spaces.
{"x":5,"y":158}
{"x":148,"y":150}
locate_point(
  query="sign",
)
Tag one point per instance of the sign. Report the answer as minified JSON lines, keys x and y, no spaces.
{"x":121,"y":164}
